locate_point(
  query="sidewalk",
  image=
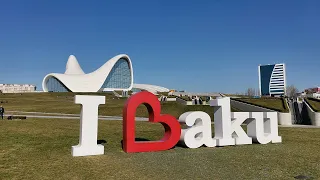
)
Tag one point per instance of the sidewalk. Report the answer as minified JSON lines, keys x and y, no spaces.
{"x":62,"y":116}
{"x":119,"y":118}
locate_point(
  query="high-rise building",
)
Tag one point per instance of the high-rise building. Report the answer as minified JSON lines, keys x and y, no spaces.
{"x":272,"y":79}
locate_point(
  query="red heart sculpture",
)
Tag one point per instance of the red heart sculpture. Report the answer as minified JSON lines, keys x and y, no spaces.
{"x":170,"y":123}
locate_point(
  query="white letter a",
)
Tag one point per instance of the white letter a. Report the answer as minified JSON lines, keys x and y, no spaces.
{"x":199,"y":132}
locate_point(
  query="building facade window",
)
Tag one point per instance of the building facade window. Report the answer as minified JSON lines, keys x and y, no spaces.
{"x":120,"y":76}
{"x":277,"y":91}
{"x":54,"y":85}
{"x":265,"y":75}
{"x":272,"y":79}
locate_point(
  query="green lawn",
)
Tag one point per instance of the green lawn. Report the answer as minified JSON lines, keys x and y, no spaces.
{"x":41,"y":149}
{"x":235,"y":95}
{"x":314,"y":103}
{"x":64,"y":103}
{"x":277,"y":104}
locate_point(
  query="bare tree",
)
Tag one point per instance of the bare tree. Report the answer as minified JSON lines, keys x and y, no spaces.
{"x":257,"y":92}
{"x":250,"y":92}
{"x":292,"y":91}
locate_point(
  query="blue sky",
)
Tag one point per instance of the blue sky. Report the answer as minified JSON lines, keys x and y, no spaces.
{"x":204,"y":46}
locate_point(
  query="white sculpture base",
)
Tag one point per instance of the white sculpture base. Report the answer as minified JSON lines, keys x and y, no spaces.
{"x":81,"y":151}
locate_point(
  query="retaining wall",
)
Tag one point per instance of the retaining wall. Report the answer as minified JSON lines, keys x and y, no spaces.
{"x":171,"y":99}
{"x":285,"y":118}
{"x":314,"y":116}
{"x":164,"y":98}
{"x":179,"y":100}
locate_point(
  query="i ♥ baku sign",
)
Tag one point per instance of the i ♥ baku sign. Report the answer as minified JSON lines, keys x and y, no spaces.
{"x":262,"y":127}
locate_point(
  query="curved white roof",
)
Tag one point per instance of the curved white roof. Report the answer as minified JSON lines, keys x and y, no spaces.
{"x":73,"y":67}
{"x":150,"y":88}
{"x":77,"y":81}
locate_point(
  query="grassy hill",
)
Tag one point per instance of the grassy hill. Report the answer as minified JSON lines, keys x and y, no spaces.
{"x":277,"y":104}
{"x":314,"y":103}
{"x":64,"y":103}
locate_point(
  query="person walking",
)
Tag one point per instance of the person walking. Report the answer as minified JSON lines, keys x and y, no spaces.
{"x":1,"y":111}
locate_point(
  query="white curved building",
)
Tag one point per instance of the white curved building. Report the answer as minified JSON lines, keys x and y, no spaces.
{"x":151,"y":88}
{"x":115,"y":74}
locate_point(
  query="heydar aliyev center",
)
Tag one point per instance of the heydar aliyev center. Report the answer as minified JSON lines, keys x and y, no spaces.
{"x":115,"y":75}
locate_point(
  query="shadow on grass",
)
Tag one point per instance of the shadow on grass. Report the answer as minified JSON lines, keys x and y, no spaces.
{"x":179,"y":145}
{"x":136,"y":139}
{"x":101,"y":141}
{"x":141,"y":139}
{"x":182,"y":144}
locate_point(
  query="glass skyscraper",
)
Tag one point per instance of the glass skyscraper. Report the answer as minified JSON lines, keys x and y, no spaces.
{"x":272,"y":80}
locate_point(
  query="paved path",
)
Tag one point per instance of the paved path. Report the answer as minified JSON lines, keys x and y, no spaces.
{"x":44,"y":113}
{"x":77,"y":116}
{"x":63,"y":116}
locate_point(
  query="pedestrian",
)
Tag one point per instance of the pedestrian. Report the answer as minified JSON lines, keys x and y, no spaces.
{"x":1,"y":111}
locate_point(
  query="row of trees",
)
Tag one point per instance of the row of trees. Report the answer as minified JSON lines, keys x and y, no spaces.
{"x":291,"y":91}
{"x":251,"y":92}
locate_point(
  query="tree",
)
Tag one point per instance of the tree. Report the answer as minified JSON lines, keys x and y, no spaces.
{"x":292,"y":91}
{"x":250,"y":92}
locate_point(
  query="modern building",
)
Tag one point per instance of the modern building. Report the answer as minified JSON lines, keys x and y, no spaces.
{"x":17,"y":88}
{"x":313,"y":92}
{"x":148,"y":87}
{"x":272,"y":79}
{"x":115,"y":75}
